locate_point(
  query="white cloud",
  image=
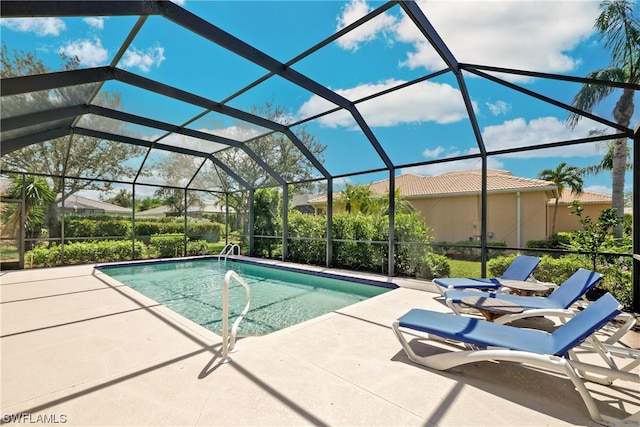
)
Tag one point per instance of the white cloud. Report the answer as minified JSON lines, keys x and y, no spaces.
{"x":355,"y":10}
{"x":90,"y":53}
{"x":514,"y":34}
{"x":434,"y":153}
{"x":237,"y":133}
{"x":499,"y":107}
{"x":97,"y":23}
{"x":40,"y":26}
{"x":517,"y":34}
{"x":422,"y":102}
{"x":143,"y":60}
{"x":440,"y":168}
{"x":520,"y":133}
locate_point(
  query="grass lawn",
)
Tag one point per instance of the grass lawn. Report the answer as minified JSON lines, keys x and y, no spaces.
{"x":464,"y":268}
{"x":8,"y":251}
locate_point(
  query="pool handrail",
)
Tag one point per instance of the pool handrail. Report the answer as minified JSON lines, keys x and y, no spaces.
{"x":228,"y":249}
{"x":229,"y":343}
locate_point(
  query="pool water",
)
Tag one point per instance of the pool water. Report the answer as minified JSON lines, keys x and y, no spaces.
{"x":279,"y":298}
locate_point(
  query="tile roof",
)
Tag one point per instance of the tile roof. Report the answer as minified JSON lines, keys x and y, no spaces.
{"x":459,"y":182}
{"x":585,"y":198}
{"x":84,"y":203}
{"x":207,"y":206}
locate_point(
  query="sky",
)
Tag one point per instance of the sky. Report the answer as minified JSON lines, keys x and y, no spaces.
{"x":423,"y":122}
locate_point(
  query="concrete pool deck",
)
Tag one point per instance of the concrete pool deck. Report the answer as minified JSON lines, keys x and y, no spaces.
{"x":81,"y":349}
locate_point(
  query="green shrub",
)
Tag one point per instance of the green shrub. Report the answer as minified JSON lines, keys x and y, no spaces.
{"x":85,"y":252}
{"x":539,"y":244}
{"x":413,"y":256}
{"x":209,"y":231}
{"x":105,"y":226}
{"x":617,"y":279}
{"x":90,"y":227}
{"x":197,"y":247}
{"x":434,"y":265}
{"x":550,"y":269}
{"x":497,"y":266}
{"x":557,"y":270}
{"x":301,"y":229}
{"x":470,"y":250}
{"x":167,"y":245}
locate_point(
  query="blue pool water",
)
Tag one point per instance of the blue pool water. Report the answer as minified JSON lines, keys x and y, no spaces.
{"x":279,"y":297}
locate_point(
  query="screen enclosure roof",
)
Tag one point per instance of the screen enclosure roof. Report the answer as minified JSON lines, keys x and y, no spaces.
{"x":205,"y":83}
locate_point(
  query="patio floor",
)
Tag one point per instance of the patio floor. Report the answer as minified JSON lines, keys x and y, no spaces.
{"x":79,"y":348}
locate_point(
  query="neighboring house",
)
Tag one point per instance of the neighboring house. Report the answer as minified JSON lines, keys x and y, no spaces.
{"x":79,"y":205}
{"x":451,"y":203}
{"x":593,"y":204}
{"x":207,"y":207}
{"x":301,"y":203}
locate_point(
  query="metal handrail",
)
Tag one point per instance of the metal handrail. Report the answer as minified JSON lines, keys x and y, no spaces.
{"x":228,"y":249}
{"x":229,"y":343}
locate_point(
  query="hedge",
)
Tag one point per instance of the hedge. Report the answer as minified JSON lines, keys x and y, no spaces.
{"x":105,"y":226}
{"x":413,"y":256}
{"x":85,"y":252}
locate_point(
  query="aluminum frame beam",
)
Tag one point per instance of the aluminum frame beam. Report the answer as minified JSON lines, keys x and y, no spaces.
{"x":160,"y":146}
{"x":216,"y":35}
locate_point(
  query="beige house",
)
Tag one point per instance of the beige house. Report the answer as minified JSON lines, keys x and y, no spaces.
{"x":518,"y":209}
{"x":593,"y":204}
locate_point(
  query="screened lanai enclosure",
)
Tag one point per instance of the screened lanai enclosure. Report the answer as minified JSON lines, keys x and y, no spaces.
{"x":265,"y":124}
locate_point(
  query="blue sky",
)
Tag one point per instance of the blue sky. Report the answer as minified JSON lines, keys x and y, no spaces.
{"x":424,"y":122}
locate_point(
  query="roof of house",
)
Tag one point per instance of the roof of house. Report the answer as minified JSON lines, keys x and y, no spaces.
{"x":585,"y":197}
{"x":457,"y":183}
{"x":208,"y":206}
{"x":74,"y":201}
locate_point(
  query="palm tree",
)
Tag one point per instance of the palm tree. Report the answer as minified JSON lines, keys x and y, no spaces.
{"x":37,"y":197}
{"x":620,"y":31}
{"x":562,"y":176}
{"x":357,"y":198}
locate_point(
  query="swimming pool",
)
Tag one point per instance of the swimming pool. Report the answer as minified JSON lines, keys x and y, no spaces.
{"x":279,"y":297}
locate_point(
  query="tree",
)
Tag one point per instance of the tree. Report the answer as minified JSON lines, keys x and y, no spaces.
{"x":267,"y":219}
{"x":361,"y":199}
{"x":148,"y":203}
{"x":37,"y":198}
{"x":562,"y":176}
{"x":277,"y":151}
{"x":620,"y":31}
{"x":77,"y":155}
{"x":357,"y":199}
{"x":594,"y":234}
{"x":174,"y":198}
{"x":123,"y":198}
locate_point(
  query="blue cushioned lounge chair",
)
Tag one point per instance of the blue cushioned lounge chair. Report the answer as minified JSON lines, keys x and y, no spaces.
{"x":556,"y":304}
{"x":520,"y":269}
{"x":553,"y":352}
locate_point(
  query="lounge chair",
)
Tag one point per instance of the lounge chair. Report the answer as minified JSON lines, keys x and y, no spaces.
{"x":556,"y":304}
{"x":520,"y":268}
{"x":559,"y":304}
{"x":554,"y":352}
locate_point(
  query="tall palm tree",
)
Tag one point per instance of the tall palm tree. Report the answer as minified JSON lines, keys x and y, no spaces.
{"x":620,"y":31}
{"x":562,"y":176}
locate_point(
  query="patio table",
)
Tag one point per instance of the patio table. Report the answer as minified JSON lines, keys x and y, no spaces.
{"x":524,"y":287}
{"x":491,"y":308}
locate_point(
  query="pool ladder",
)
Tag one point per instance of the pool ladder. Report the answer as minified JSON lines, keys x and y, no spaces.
{"x":229,"y":249}
{"x":229,"y":342}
